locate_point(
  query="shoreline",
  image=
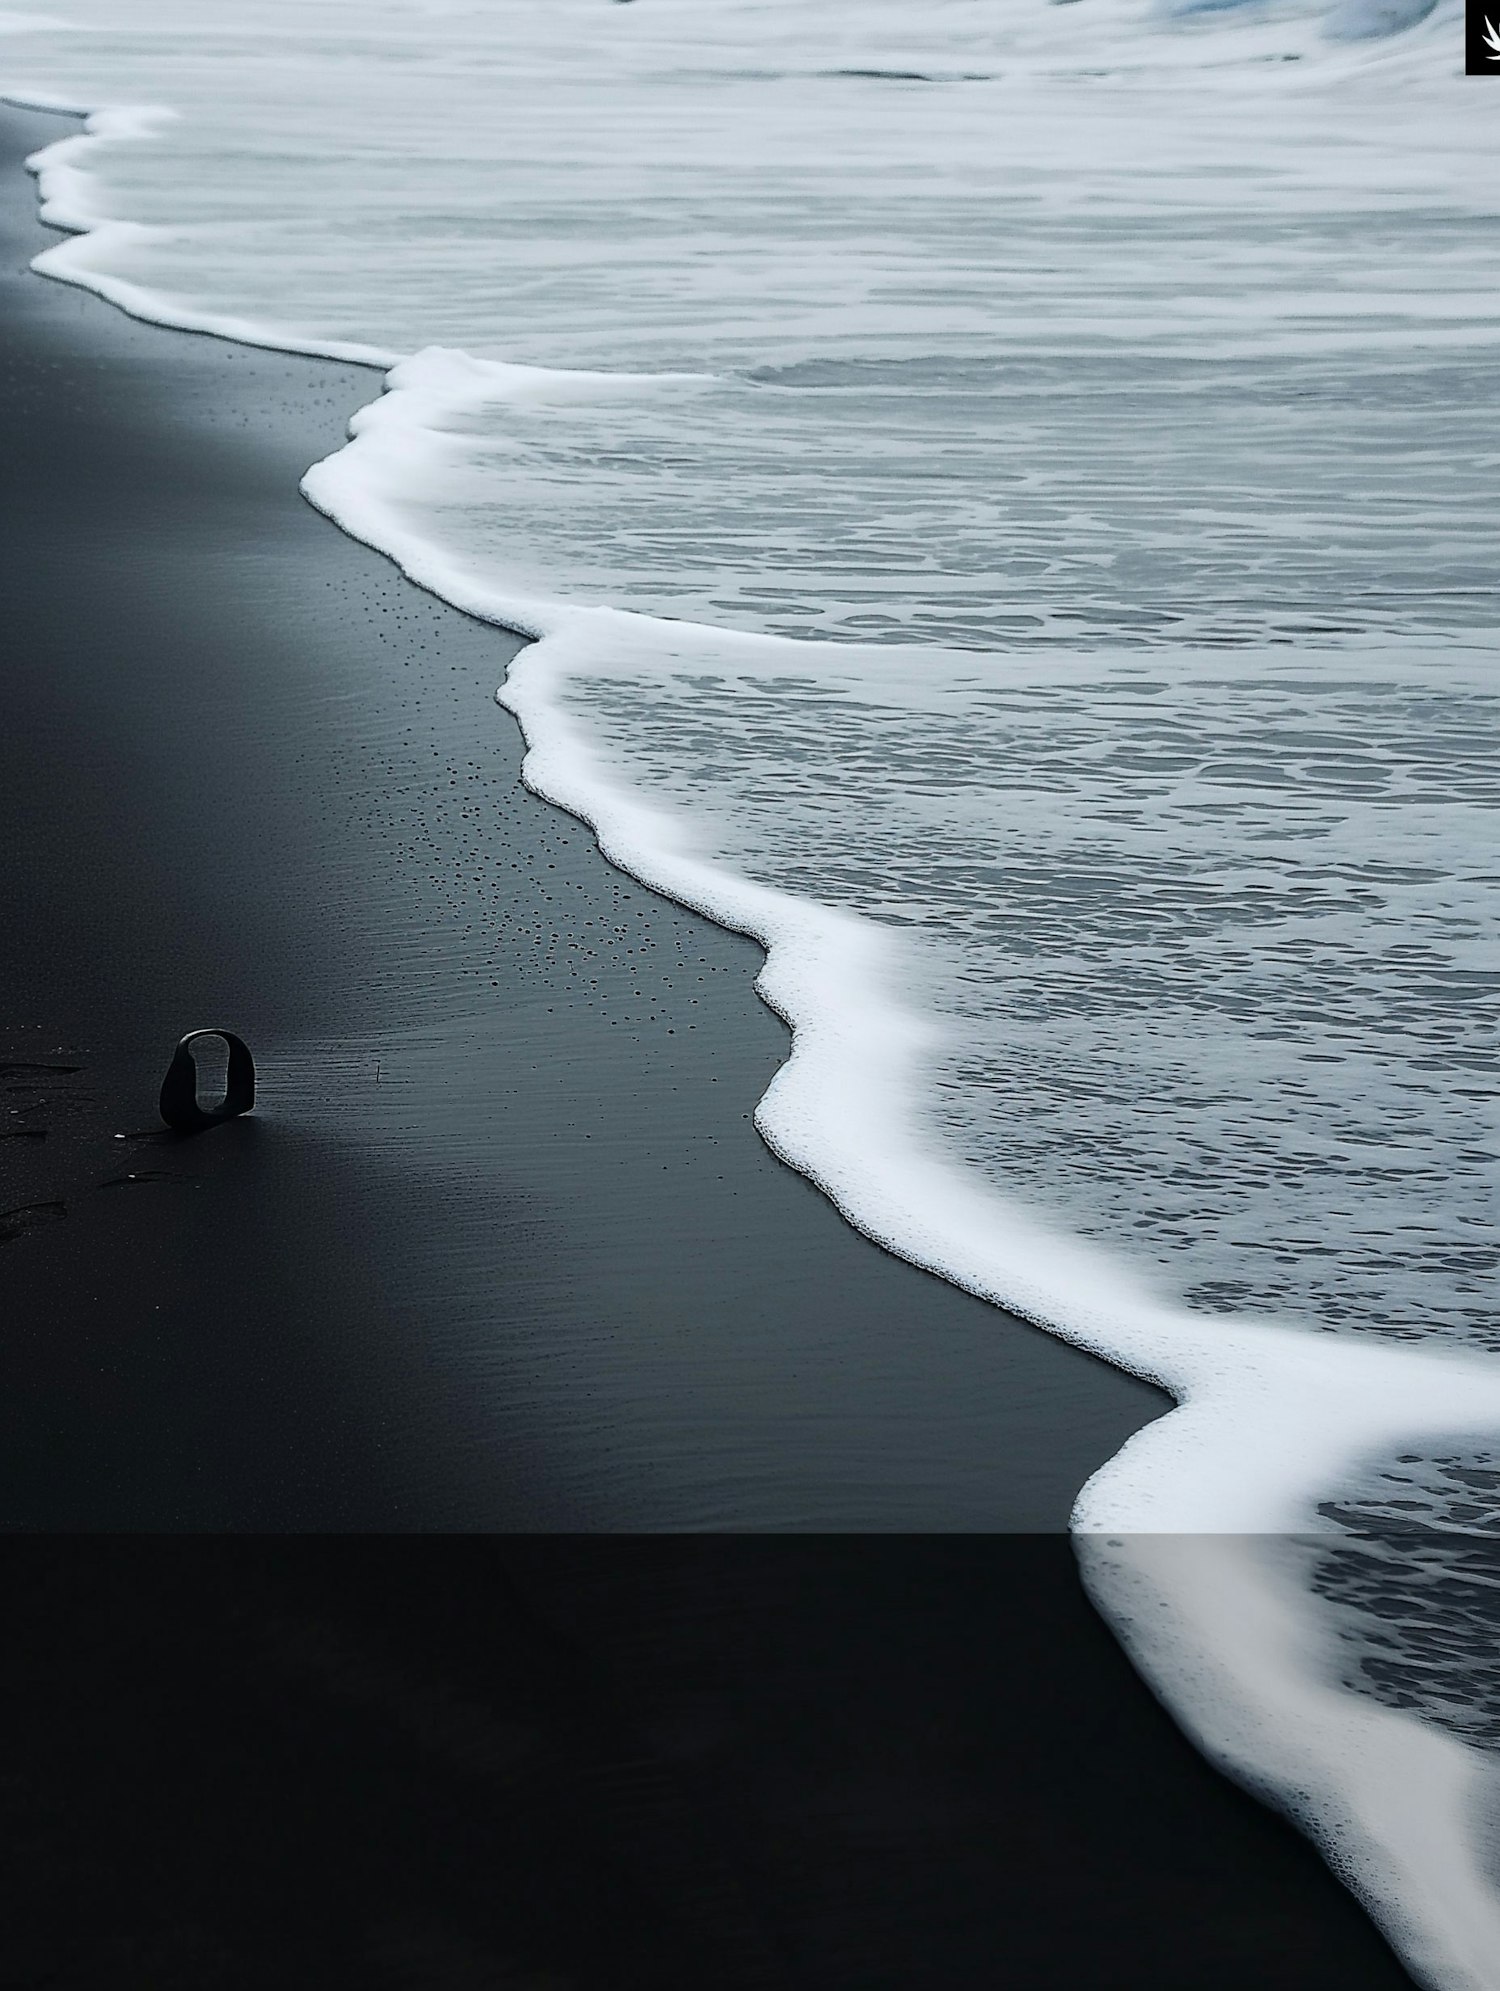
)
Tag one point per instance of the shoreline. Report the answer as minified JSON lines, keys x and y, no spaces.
{"x":435,"y":1284}
{"x":560,"y":1238}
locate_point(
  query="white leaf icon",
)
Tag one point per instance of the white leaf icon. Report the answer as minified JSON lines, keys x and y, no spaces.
{"x":1492,"y":40}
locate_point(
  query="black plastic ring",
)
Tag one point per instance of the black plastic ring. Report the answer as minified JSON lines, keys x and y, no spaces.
{"x":179,"y":1089}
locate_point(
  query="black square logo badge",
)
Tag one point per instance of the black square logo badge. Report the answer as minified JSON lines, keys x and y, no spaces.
{"x":1482,"y":48}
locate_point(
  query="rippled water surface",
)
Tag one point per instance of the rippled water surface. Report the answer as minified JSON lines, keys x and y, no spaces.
{"x":1214,"y":942}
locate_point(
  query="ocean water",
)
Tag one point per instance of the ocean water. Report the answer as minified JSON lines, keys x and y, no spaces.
{"x":1005,"y":495}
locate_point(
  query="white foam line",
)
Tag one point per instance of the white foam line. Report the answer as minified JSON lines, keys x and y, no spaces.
{"x":63,"y":183}
{"x":1218,"y":1625}
{"x":1267,"y":1417}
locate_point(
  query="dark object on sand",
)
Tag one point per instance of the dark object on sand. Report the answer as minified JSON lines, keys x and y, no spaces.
{"x":179,"y":1089}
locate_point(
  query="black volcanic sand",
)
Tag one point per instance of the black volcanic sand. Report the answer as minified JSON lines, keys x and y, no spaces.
{"x":501,"y":1247}
{"x":613,"y":1764}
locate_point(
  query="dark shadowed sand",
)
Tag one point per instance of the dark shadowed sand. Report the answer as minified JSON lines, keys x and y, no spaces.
{"x":498,"y":1252}
{"x":660,"y":1764}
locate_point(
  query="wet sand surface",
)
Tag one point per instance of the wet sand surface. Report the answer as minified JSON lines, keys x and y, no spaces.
{"x":501,"y":1247}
